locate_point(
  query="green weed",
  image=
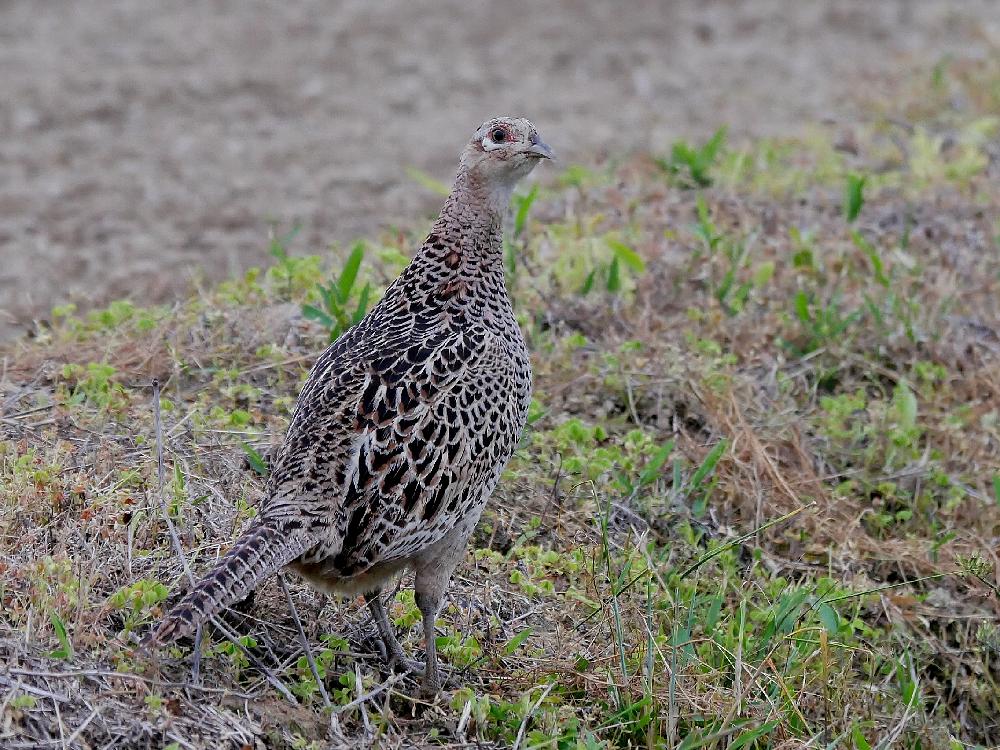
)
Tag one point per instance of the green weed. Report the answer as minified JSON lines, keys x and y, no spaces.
{"x":137,"y":600}
{"x":691,"y":166}
{"x":341,"y":304}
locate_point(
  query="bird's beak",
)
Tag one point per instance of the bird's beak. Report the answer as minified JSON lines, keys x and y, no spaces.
{"x":538,"y":147}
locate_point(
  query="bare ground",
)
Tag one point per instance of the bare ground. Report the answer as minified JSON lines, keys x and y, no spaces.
{"x":144,"y":140}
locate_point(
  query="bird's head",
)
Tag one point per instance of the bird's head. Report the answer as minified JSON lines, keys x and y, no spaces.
{"x":502,"y":151}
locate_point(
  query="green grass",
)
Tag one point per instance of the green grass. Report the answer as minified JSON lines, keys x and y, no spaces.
{"x":754,"y":506}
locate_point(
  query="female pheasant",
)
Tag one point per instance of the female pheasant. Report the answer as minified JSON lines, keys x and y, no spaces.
{"x":402,"y":429}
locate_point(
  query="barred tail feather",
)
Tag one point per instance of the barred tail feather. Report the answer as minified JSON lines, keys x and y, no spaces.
{"x":257,"y":554}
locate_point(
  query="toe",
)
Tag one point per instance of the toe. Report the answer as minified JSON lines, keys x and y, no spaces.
{"x":429,"y":689}
{"x":402,"y":664}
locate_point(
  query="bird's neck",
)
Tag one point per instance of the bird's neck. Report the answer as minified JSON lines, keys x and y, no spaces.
{"x":459,"y":270}
{"x":489,"y":197}
{"x":471,"y":224}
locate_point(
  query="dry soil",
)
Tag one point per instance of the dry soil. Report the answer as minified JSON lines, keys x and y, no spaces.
{"x":142,"y":141}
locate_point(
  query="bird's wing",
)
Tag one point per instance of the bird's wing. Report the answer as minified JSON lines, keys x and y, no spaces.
{"x":377,"y":445}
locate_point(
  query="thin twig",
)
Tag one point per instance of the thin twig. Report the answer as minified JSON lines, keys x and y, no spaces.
{"x":359,"y":685}
{"x":371,"y":693}
{"x":95,"y":673}
{"x":303,"y":641}
{"x":59,"y":722}
{"x":27,"y":688}
{"x":44,"y":407}
{"x":528,"y":714}
{"x":93,"y":714}
{"x":159,"y":433}
{"x":175,"y":540}
{"x":463,"y":720}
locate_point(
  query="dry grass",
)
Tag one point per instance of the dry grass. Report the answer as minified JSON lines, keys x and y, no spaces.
{"x":758,"y":359}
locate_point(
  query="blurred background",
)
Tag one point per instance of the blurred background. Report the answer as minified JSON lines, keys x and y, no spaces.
{"x":142,"y":141}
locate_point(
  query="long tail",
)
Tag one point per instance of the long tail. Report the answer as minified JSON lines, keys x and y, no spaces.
{"x":258,"y":553}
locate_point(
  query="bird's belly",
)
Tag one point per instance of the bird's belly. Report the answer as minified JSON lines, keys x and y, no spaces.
{"x":326,"y":577}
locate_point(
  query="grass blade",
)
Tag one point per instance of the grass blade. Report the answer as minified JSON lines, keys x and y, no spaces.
{"x":350,"y":272}
{"x":523,"y":203}
{"x":257,"y":463}
{"x":708,"y":465}
{"x":740,"y":539}
{"x":512,"y":645}
{"x":627,"y":255}
{"x":65,"y":650}
{"x":425,"y":180}
{"x":854,"y":196}
{"x":652,"y":469}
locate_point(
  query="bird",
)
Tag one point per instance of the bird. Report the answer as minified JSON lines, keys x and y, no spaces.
{"x":404,"y":424}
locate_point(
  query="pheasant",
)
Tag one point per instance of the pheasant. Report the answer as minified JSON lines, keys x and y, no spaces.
{"x":405,"y":422}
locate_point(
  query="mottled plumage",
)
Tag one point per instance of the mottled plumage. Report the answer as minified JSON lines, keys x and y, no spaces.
{"x":405,"y":423}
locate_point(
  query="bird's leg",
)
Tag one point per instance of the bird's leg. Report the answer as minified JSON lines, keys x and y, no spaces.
{"x":429,"y":602}
{"x":393,"y":650}
{"x":433,"y":573}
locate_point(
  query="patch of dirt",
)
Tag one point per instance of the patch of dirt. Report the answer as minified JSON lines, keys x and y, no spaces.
{"x":144,"y":141}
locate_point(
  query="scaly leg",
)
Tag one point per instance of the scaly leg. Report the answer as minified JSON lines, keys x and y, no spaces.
{"x":433,"y":574}
{"x":393,"y":650}
{"x":430,"y":604}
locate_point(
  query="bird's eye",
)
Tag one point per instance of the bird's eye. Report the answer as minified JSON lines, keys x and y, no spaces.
{"x":499,"y":136}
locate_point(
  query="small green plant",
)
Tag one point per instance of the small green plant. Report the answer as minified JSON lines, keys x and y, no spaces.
{"x":894,"y":303}
{"x":522,"y":205}
{"x":235,"y":654}
{"x":514,"y":643}
{"x":611,"y":273}
{"x":410,"y":615}
{"x":908,"y":681}
{"x":737,"y":282}
{"x":336,"y":312}
{"x":822,"y":323}
{"x":935,"y":157}
{"x":691,"y":165}
{"x":732,"y":293}
{"x":23,"y":701}
{"x":461,"y":650}
{"x":256,"y":461}
{"x":705,"y":229}
{"x":290,"y":276}
{"x":699,"y":486}
{"x":877,"y":264}
{"x":122,"y":313}
{"x":65,"y":650}
{"x":95,"y":384}
{"x":978,"y":567}
{"x":137,"y":600}
{"x":325,"y":660}
{"x":854,"y":197}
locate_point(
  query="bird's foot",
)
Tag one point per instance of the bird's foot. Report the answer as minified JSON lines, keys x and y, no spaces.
{"x":399,"y":663}
{"x":395,"y":658}
{"x":434,"y":681}
{"x":430,"y":687}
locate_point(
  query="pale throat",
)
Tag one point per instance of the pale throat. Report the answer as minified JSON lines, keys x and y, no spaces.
{"x":491,"y":196}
